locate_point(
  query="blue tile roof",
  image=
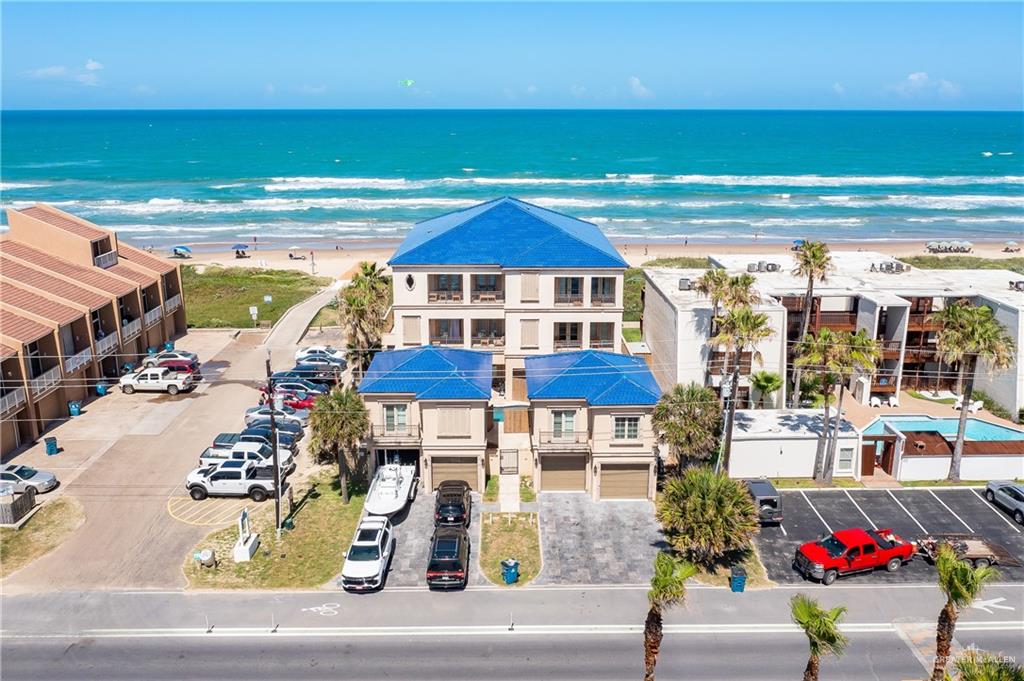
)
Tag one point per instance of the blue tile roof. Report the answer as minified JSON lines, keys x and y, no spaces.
{"x":430,"y":373}
{"x":509,"y":233}
{"x":600,"y":378}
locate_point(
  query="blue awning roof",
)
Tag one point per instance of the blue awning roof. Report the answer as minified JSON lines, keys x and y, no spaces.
{"x":508,"y":233}
{"x":430,"y":373}
{"x":600,"y":378}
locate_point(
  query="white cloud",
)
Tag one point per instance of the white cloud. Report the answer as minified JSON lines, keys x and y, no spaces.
{"x":313,"y":89}
{"x":919,"y":83}
{"x":577,"y":90}
{"x":93,"y":65}
{"x":638,"y":88}
{"x":89,"y":78}
{"x":949,"y":89}
{"x":838,"y":88}
{"x":49,"y":72}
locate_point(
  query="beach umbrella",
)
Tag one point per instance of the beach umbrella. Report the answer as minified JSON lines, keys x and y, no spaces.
{"x":181,"y":249}
{"x":933,"y":244}
{"x":294,"y":248}
{"x":1011,"y":243}
{"x":798,"y":242}
{"x":239,"y":247}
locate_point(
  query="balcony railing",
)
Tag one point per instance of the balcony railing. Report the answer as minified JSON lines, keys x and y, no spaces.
{"x":45,"y":382}
{"x":172,"y":303}
{"x":568,"y":299}
{"x":409,"y":432}
{"x":884,"y":380}
{"x":925,"y":353}
{"x":153,"y":316}
{"x":602,"y":344}
{"x":836,"y":320}
{"x":106,"y":345}
{"x":562,"y":439}
{"x":12,"y":400}
{"x":602,"y":299}
{"x":131,"y":329}
{"x":105,"y":260}
{"x":922,"y":321}
{"x":447,"y":340}
{"x":77,"y":360}
{"x":488,"y":341}
{"x":561,"y":345}
{"x":717,"y":361}
{"x":443,"y":296}
{"x":488,"y":297}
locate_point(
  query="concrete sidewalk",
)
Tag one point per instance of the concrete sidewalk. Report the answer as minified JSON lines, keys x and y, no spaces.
{"x":291,"y":327}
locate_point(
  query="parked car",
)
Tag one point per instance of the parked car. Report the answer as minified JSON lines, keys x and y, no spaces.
{"x":286,"y":427}
{"x":366,"y":564}
{"x":229,"y":440}
{"x":258,"y":452}
{"x":326,"y":375}
{"x":229,"y":479}
{"x":284,"y":438}
{"x":286,"y":414}
{"x":324,"y":362}
{"x":176,"y":355}
{"x":156,"y":379}
{"x":295,"y":385}
{"x":319,"y":351}
{"x":852,"y":550}
{"x":1009,"y":496}
{"x":767,"y":500}
{"x":448,"y":567}
{"x":453,"y":504}
{"x":23,"y":478}
{"x":183,"y":367}
{"x":296,"y":400}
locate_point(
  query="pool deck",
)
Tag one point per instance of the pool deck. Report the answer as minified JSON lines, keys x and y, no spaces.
{"x":860,"y":415}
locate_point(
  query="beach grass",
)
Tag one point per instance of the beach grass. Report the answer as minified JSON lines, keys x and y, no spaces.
{"x":510,"y":535}
{"x":220,"y":297}
{"x":46,"y":530}
{"x":683,"y":262}
{"x":632,"y":295}
{"x":965,"y":262}
{"x":327,"y":316}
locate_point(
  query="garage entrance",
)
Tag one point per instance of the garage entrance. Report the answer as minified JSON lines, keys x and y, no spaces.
{"x":624,"y":480}
{"x":563,"y":473}
{"x":454,"y":468}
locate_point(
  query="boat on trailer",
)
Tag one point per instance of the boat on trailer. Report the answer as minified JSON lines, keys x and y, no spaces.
{"x":393,"y":486}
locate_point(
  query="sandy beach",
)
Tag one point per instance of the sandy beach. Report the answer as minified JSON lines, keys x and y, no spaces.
{"x":337,"y":263}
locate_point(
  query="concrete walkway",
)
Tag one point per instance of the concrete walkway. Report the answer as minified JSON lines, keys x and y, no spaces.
{"x":290,"y":328}
{"x":508,"y":493}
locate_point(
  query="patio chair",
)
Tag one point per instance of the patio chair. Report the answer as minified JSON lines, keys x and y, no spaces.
{"x":875,"y":402}
{"x":975,"y":406}
{"x":894,"y":401}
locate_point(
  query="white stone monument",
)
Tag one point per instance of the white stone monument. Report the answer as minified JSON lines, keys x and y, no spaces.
{"x":245,"y":547}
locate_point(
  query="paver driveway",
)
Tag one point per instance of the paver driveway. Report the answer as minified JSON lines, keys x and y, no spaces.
{"x":596,"y":542}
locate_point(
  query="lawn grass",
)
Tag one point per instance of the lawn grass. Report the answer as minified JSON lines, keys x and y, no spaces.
{"x":965,"y":262}
{"x":491,"y":488}
{"x":306,"y":557}
{"x":757,"y":577}
{"x":632,"y":335}
{"x":221,"y":296}
{"x":42,"y":533}
{"x":943,"y":483}
{"x":924,"y":396}
{"x":632,"y":290}
{"x":509,"y":535}
{"x":807,"y":483}
{"x":327,"y":316}
{"x":684,"y":262}
{"x":526,"y":491}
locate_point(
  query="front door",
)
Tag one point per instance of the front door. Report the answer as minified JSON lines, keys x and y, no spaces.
{"x":867,"y":459}
{"x":509,"y":461}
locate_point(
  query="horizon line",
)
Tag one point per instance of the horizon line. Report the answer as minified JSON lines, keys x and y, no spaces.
{"x":5,"y":110}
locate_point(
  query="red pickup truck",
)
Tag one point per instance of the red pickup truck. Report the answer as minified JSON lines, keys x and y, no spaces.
{"x":853,"y":550}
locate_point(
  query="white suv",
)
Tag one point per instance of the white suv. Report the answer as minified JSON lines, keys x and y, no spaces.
{"x":230,"y":479}
{"x":367,"y":561}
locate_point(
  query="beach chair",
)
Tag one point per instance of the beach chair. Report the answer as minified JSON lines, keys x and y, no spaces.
{"x":894,"y":401}
{"x":875,"y":402}
{"x":975,"y":406}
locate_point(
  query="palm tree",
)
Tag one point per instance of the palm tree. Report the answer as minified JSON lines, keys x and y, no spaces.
{"x":814,"y":262}
{"x":961,"y":583}
{"x":973,"y":333}
{"x":363,"y":306}
{"x":977,"y":665}
{"x":857,"y":352}
{"x":338,"y":422}
{"x":741,"y":329}
{"x":952,"y":320}
{"x":822,"y":351}
{"x":741,"y":291}
{"x":766,"y":383}
{"x":822,"y":629}
{"x":714,"y":285}
{"x":688,"y":419}
{"x":668,"y":588}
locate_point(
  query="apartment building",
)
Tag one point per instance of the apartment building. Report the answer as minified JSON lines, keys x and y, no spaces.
{"x":75,"y":305}
{"x":591,"y":428}
{"x":429,"y":406}
{"x":891,"y":300}
{"x":508,"y":278}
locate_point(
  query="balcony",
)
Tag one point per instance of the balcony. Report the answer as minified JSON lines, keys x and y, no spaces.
{"x":836,"y":321}
{"x":12,"y":400}
{"x":396,"y":433}
{"x":602,"y":299}
{"x":105,"y":260}
{"x":172,"y":303}
{"x":718,"y":361}
{"x":488,"y":341}
{"x":566,"y":345}
{"x":131,"y":329}
{"x":890,"y":348}
{"x":77,"y":360}
{"x":925,"y":353}
{"x":602,"y":344}
{"x":562,"y":439}
{"x":447,"y":340}
{"x":574,"y":299}
{"x":884,"y":381}
{"x":444,"y":296}
{"x":45,"y":383}
{"x":153,"y":316}
{"x":106,"y":345}
{"x":487,"y":297}
{"x":922,"y":321}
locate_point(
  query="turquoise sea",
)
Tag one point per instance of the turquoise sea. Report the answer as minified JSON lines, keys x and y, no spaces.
{"x":166,"y":177}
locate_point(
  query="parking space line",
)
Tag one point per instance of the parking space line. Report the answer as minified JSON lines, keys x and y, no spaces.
{"x":866,"y":517}
{"x":996,"y":511}
{"x":815,"y":511}
{"x":784,"y":533}
{"x":969,"y":528}
{"x":906,"y":511}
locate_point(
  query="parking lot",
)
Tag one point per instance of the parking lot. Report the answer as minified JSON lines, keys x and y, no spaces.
{"x":911,"y":513}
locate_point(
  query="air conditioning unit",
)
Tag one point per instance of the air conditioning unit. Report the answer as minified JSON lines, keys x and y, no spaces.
{"x":752,"y":267}
{"x":762,"y":265}
{"x":1019,"y":285}
{"x":684,"y":285}
{"x":773,"y":267}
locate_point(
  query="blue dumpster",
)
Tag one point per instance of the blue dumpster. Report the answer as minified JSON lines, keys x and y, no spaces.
{"x":150,"y":350}
{"x":168,"y":346}
{"x":101,"y":389}
{"x":75,"y":408}
{"x":510,"y":570}
{"x":51,"y":445}
{"x":737,"y":579}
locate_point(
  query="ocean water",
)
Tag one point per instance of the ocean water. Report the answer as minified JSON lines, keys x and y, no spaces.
{"x":167,"y":177}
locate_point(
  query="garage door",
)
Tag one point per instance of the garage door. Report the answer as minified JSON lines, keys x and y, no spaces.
{"x":564,"y":473}
{"x":9,"y":434}
{"x":624,"y":480}
{"x":51,"y":408}
{"x":453,"y":468}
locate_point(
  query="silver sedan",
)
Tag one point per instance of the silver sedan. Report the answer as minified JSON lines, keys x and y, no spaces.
{"x":21,"y":478}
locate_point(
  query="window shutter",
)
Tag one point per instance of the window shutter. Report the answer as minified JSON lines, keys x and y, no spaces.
{"x":531,"y":287}
{"x":453,"y":421}
{"x":411,"y":330}
{"x":531,"y":333}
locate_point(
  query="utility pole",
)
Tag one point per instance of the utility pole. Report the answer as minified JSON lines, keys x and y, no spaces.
{"x":274,"y":444}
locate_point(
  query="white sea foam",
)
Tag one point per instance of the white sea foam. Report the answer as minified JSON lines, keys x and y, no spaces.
{"x":7,"y":186}
{"x":286,"y":184}
{"x":230,"y":185}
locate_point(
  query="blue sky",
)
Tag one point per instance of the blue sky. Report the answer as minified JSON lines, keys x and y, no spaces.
{"x":530,"y":55}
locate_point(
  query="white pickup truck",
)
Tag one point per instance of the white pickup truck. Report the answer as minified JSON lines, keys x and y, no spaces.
{"x":230,"y":479}
{"x":156,"y":379}
{"x":257,"y":452}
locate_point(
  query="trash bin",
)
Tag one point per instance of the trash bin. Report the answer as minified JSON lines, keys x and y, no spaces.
{"x":168,"y":346}
{"x":51,"y":445}
{"x":510,"y":570}
{"x":101,"y":389}
{"x":738,"y":579}
{"x":150,"y":350}
{"x":75,"y":408}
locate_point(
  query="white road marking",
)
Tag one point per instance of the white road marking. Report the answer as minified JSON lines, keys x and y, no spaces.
{"x":815,"y":511}
{"x":997,"y":512}
{"x":784,"y":533}
{"x":870,"y":521}
{"x":906,"y":511}
{"x":990,"y":603}
{"x":969,"y":528}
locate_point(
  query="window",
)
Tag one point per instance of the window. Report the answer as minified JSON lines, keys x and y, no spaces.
{"x":395,"y":418}
{"x":411,"y":330}
{"x":626,"y":428}
{"x":531,"y":287}
{"x":485,"y":282}
{"x":530,"y":333}
{"x":854,"y":553}
{"x":845,"y":463}
{"x":453,"y":421}
{"x":569,"y":286}
{"x":868,"y":549}
{"x":563,"y":423}
{"x":602,"y":290}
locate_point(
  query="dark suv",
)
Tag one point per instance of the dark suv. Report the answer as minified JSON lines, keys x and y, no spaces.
{"x":453,"y":504}
{"x":449,"y":558}
{"x":767,"y":500}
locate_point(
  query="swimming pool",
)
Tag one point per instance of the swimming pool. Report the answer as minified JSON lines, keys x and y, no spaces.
{"x":976,"y":428}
